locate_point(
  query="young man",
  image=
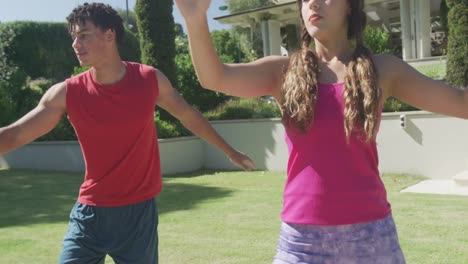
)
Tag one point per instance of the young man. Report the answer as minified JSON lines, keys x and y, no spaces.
{"x":111,"y":107}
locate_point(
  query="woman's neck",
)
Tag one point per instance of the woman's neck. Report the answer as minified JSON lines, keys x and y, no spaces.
{"x":333,"y":57}
{"x":336,"y":50}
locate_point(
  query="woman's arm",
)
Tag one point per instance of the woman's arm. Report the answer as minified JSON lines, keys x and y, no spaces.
{"x":258,"y":78}
{"x":407,"y":84}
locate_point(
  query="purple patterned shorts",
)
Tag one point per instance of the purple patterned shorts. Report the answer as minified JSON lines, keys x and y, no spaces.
{"x":365,"y":243}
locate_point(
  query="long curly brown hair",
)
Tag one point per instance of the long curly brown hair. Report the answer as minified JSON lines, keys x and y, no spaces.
{"x":361,"y":90}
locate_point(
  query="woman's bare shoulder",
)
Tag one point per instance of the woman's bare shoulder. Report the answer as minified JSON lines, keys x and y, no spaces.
{"x":387,"y":67}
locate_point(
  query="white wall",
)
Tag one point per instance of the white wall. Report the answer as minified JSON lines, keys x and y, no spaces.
{"x":177,"y":155}
{"x":261,"y":139}
{"x":431,"y":145}
{"x":181,"y":155}
{"x":55,"y":155}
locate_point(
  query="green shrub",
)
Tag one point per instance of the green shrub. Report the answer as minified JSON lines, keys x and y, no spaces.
{"x":227,"y":46}
{"x":165,"y":129}
{"x":29,"y":95}
{"x":377,"y":40}
{"x":78,"y":70}
{"x":157,"y":35}
{"x":7,"y":65}
{"x":157,"y":39}
{"x":32,"y":93}
{"x":457,"y":50}
{"x":444,"y":16}
{"x":63,"y":131}
{"x":190,"y":89}
{"x":11,"y":90}
{"x":245,"y":109}
{"x":130,"y":49}
{"x":235,"y":6}
{"x":9,"y":76}
{"x":395,"y":105}
{"x":41,"y":49}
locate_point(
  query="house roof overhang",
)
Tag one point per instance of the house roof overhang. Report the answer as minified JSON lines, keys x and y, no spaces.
{"x":284,"y":13}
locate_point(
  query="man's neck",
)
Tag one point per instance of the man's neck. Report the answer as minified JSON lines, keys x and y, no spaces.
{"x":109,"y":73}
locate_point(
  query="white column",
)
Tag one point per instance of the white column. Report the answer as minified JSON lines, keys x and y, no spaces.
{"x":274,"y":28}
{"x":406,"y":32}
{"x":413,"y":17}
{"x":423,"y":28}
{"x":265,"y":37}
{"x":271,"y":36}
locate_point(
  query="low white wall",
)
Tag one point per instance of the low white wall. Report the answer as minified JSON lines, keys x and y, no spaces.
{"x":177,"y":155}
{"x":261,"y":139}
{"x":181,"y":155}
{"x":431,"y":145}
{"x":52,"y":155}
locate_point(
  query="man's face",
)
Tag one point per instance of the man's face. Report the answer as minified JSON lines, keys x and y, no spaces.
{"x":90,"y":43}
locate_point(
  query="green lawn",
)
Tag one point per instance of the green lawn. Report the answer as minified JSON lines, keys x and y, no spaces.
{"x":209,"y":217}
{"x":434,"y":71}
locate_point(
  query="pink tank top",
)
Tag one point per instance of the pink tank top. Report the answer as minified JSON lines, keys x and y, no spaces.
{"x":331,"y":182}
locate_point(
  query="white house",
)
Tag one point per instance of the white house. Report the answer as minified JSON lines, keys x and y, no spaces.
{"x":411,"y":21}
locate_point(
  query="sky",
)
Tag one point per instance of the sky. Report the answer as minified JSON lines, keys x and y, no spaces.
{"x":58,"y":10}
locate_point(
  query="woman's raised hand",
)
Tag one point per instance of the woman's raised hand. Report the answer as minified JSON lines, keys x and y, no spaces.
{"x":193,"y":8}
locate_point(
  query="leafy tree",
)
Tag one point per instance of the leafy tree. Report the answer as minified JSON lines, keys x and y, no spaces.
{"x":377,"y":40}
{"x":235,"y":6}
{"x":157,"y":39}
{"x":131,"y":24}
{"x":226,"y":44}
{"x":457,"y":62}
{"x":157,"y":36}
{"x":250,"y":38}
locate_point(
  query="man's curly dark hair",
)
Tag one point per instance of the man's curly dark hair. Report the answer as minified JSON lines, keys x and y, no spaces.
{"x":101,"y":15}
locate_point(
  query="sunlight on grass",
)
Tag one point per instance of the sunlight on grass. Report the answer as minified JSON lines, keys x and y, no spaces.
{"x":216,"y":217}
{"x":434,"y":71}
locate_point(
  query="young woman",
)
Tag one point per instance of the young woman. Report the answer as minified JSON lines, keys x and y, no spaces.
{"x":335,"y":205}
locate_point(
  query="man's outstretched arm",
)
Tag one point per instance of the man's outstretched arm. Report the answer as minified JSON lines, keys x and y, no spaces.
{"x":170,"y":100}
{"x":39,"y":121}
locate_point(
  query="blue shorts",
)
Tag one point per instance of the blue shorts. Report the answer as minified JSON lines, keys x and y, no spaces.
{"x":128,"y":234}
{"x":365,"y":243}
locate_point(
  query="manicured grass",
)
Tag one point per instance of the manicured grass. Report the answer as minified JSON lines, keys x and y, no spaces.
{"x":210,"y":217}
{"x":434,"y":71}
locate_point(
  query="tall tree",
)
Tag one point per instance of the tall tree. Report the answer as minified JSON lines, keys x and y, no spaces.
{"x":457,"y":51}
{"x":130,"y":21}
{"x":227,"y":46}
{"x":242,"y":5}
{"x":157,"y":37}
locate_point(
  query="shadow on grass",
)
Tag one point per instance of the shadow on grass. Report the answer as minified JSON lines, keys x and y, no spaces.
{"x":181,"y":196}
{"x":35,"y":197}
{"x":198,"y":173}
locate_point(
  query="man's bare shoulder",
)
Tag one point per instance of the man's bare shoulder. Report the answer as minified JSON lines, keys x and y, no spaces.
{"x":56,"y":96}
